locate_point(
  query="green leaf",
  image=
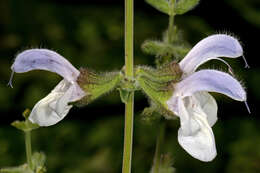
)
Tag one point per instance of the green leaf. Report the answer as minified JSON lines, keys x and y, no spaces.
{"x":165,"y":50}
{"x":161,"y":5}
{"x":183,"y":6}
{"x":165,"y":166}
{"x":17,"y":169}
{"x":25,"y":125}
{"x":38,"y":160}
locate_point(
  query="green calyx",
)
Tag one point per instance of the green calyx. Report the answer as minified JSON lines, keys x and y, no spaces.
{"x":96,"y":84}
{"x":158,"y":85}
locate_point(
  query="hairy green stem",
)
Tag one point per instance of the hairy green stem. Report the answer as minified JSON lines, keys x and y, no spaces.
{"x":171,"y":22}
{"x":158,"y":150}
{"x":129,"y":71}
{"x":28,"y":149}
{"x":129,"y":38}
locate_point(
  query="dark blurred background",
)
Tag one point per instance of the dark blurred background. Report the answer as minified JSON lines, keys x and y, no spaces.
{"x":91,"y":34}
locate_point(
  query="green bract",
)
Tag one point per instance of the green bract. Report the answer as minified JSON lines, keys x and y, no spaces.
{"x":25,"y":125}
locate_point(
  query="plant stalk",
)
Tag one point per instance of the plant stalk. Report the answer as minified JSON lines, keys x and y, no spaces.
{"x":129,"y":72}
{"x":28,"y":149}
{"x":171,"y":22}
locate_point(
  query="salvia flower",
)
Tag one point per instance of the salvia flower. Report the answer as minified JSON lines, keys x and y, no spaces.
{"x":192,"y":103}
{"x":54,"y":107}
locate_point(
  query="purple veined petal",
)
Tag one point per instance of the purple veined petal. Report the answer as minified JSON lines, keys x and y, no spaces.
{"x":211,"y":81}
{"x":212,"y":47}
{"x":195,"y":135}
{"x":54,"y":107}
{"x":44,"y":59}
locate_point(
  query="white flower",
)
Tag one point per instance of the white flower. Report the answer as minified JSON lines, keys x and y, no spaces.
{"x":54,"y":107}
{"x":192,"y":103}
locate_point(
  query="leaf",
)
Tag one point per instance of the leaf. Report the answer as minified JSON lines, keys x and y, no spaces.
{"x":18,"y":169}
{"x":165,"y":166}
{"x":25,"y":125}
{"x":161,"y":5}
{"x":38,"y":160}
{"x":162,"y":49}
{"x":183,"y":6}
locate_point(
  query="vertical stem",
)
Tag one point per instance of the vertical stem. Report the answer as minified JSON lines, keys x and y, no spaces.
{"x":129,"y":119}
{"x":171,"y":22}
{"x":129,"y":71}
{"x":158,"y":150}
{"x":28,"y":149}
{"x":129,"y":38}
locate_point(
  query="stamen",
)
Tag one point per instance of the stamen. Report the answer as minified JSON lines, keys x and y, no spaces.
{"x":248,"y":109}
{"x":10,"y":80}
{"x":246,"y":64}
{"x":230,"y":70}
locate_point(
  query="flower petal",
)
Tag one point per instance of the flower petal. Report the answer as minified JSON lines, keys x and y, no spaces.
{"x":212,"y":47}
{"x":44,"y":59}
{"x":77,"y":93}
{"x":208,"y":105}
{"x":54,"y":107}
{"x":211,"y":81}
{"x":195,"y":135}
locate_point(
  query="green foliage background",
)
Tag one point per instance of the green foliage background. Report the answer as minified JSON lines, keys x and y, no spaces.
{"x":91,"y":35}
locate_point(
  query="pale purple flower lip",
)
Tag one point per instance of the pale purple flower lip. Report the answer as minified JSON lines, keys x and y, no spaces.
{"x":211,"y":81}
{"x":212,"y":47}
{"x":44,"y":59}
{"x":54,"y":107}
{"x":192,"y":103}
